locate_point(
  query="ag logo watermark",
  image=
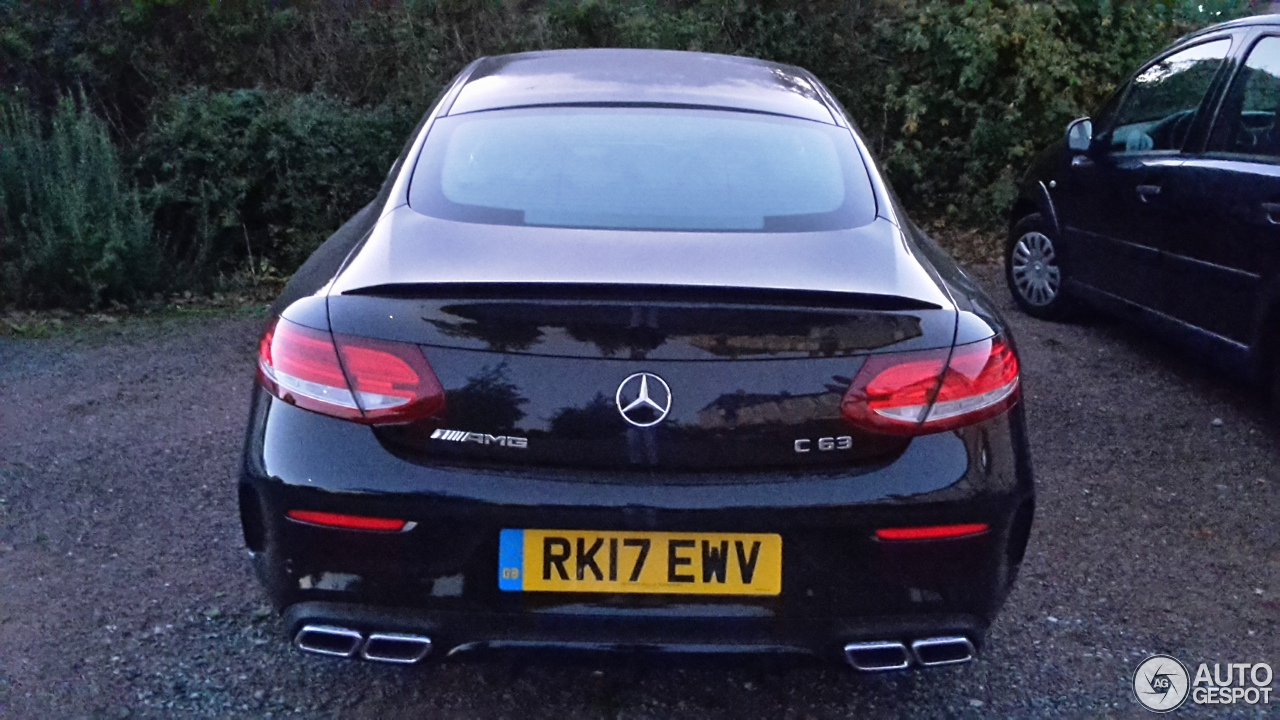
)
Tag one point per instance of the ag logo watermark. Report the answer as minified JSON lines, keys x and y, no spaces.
{"x":1162,"y":684}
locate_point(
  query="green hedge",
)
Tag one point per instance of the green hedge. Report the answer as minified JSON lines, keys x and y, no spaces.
{"x":979,"y":87}
{"x":72,"y":230}
{"x":259,"y":175}
{"x":251,"y":129}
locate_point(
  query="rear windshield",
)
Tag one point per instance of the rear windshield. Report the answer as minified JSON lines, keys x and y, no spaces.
{"x":642,"y":169}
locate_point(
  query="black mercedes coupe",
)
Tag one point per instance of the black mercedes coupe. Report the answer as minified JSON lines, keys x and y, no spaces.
{"x":636,"y":352}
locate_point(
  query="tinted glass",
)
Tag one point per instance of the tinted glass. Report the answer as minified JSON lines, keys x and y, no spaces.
{"x":642,"y":169}
{"x":1161,"y":104}
{"x":1254,"y":129}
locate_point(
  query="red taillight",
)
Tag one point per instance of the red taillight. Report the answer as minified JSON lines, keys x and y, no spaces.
{"x":392,"y":381}
{"x":912,"y":394}
{"x":347,"y":522}
{"x":932,"y":532}
{"x":353,"y":378}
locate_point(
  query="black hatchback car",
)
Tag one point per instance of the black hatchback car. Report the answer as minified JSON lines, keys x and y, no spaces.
{"x":1165,"y":207}
{"x":635,"y":352}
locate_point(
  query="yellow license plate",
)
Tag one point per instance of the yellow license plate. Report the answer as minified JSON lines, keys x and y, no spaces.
{"x":640,"y":562}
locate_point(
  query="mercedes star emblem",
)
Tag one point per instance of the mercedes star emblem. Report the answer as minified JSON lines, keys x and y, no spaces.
{"x":644,"y":399}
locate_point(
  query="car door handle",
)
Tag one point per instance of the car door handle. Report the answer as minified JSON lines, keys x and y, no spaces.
{"x":1271,"y":211}
{"x":1081,"y":161}
{"x":1147,"y":192}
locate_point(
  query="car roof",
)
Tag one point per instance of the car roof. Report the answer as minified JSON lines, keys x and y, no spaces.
{"x":1251,"y":21}
{"x":647,"y":77}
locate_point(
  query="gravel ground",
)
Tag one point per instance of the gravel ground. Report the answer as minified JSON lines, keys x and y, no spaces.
{"x":124,"y":591}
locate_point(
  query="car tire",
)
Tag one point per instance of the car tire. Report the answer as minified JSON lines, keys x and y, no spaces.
{"x":1275,"y":391}
{"x":1033,"y":270}
{"x":1272,"y":377}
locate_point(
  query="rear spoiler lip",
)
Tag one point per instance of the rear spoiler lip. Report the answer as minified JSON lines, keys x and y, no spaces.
{"x":818,"y":300}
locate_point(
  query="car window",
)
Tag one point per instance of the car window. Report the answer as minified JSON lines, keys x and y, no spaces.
{"x":1253,"y":131}
{"x":1160,"y":106}
{"x":642,"y":169}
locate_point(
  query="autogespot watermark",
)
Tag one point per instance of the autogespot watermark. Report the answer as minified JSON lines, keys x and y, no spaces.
{"x":1162,"y":684}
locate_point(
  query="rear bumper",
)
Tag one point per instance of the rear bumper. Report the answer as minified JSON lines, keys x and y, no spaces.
{"x":469,"y":636}
{"x":439,"y":579}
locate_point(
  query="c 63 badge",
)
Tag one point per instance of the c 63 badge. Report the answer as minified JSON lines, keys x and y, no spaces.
{"x":825,"y":444}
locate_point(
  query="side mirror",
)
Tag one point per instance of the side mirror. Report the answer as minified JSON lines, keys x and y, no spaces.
{"x":1080,"y":134}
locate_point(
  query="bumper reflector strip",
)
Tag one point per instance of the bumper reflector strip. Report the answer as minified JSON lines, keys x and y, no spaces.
{"x":931,"y":532}
{"x":347,"y":522}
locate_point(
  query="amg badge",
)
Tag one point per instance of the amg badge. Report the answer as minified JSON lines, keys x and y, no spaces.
{"x":482,"y":438}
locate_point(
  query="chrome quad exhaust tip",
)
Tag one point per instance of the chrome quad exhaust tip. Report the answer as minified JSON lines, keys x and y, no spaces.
{"x":343,"y":642}
{"x":877,"y":656}
{"x":926,"y":652}
{"x":396,"y":648}
{"x":932,"y":652}
{"x":328,"y":640}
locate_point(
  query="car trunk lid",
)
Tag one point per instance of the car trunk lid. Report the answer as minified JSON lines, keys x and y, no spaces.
{"x":642,"y":378}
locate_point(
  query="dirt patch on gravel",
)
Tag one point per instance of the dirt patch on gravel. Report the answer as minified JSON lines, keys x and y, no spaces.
{"x":124,"y":590}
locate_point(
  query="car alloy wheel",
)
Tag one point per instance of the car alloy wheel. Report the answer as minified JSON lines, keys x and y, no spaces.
{"x":1035,"y":270}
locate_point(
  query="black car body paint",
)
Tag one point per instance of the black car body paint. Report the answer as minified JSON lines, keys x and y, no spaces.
{"x":532,"y":331}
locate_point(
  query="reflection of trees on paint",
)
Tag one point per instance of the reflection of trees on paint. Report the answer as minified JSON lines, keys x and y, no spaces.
{"x":636,"y":330}
{"x":744,"y":409}
{"x":500,"y":333}
{"x":597,"y":419}
{"x":611,"y":339}
{"x":489,"y":400}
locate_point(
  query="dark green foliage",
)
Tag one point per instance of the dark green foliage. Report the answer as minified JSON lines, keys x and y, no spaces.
{"x":254,"y":175}
{"x":977,"y":88}
{"x":255,"y":128}
{"x":72,"y":231}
